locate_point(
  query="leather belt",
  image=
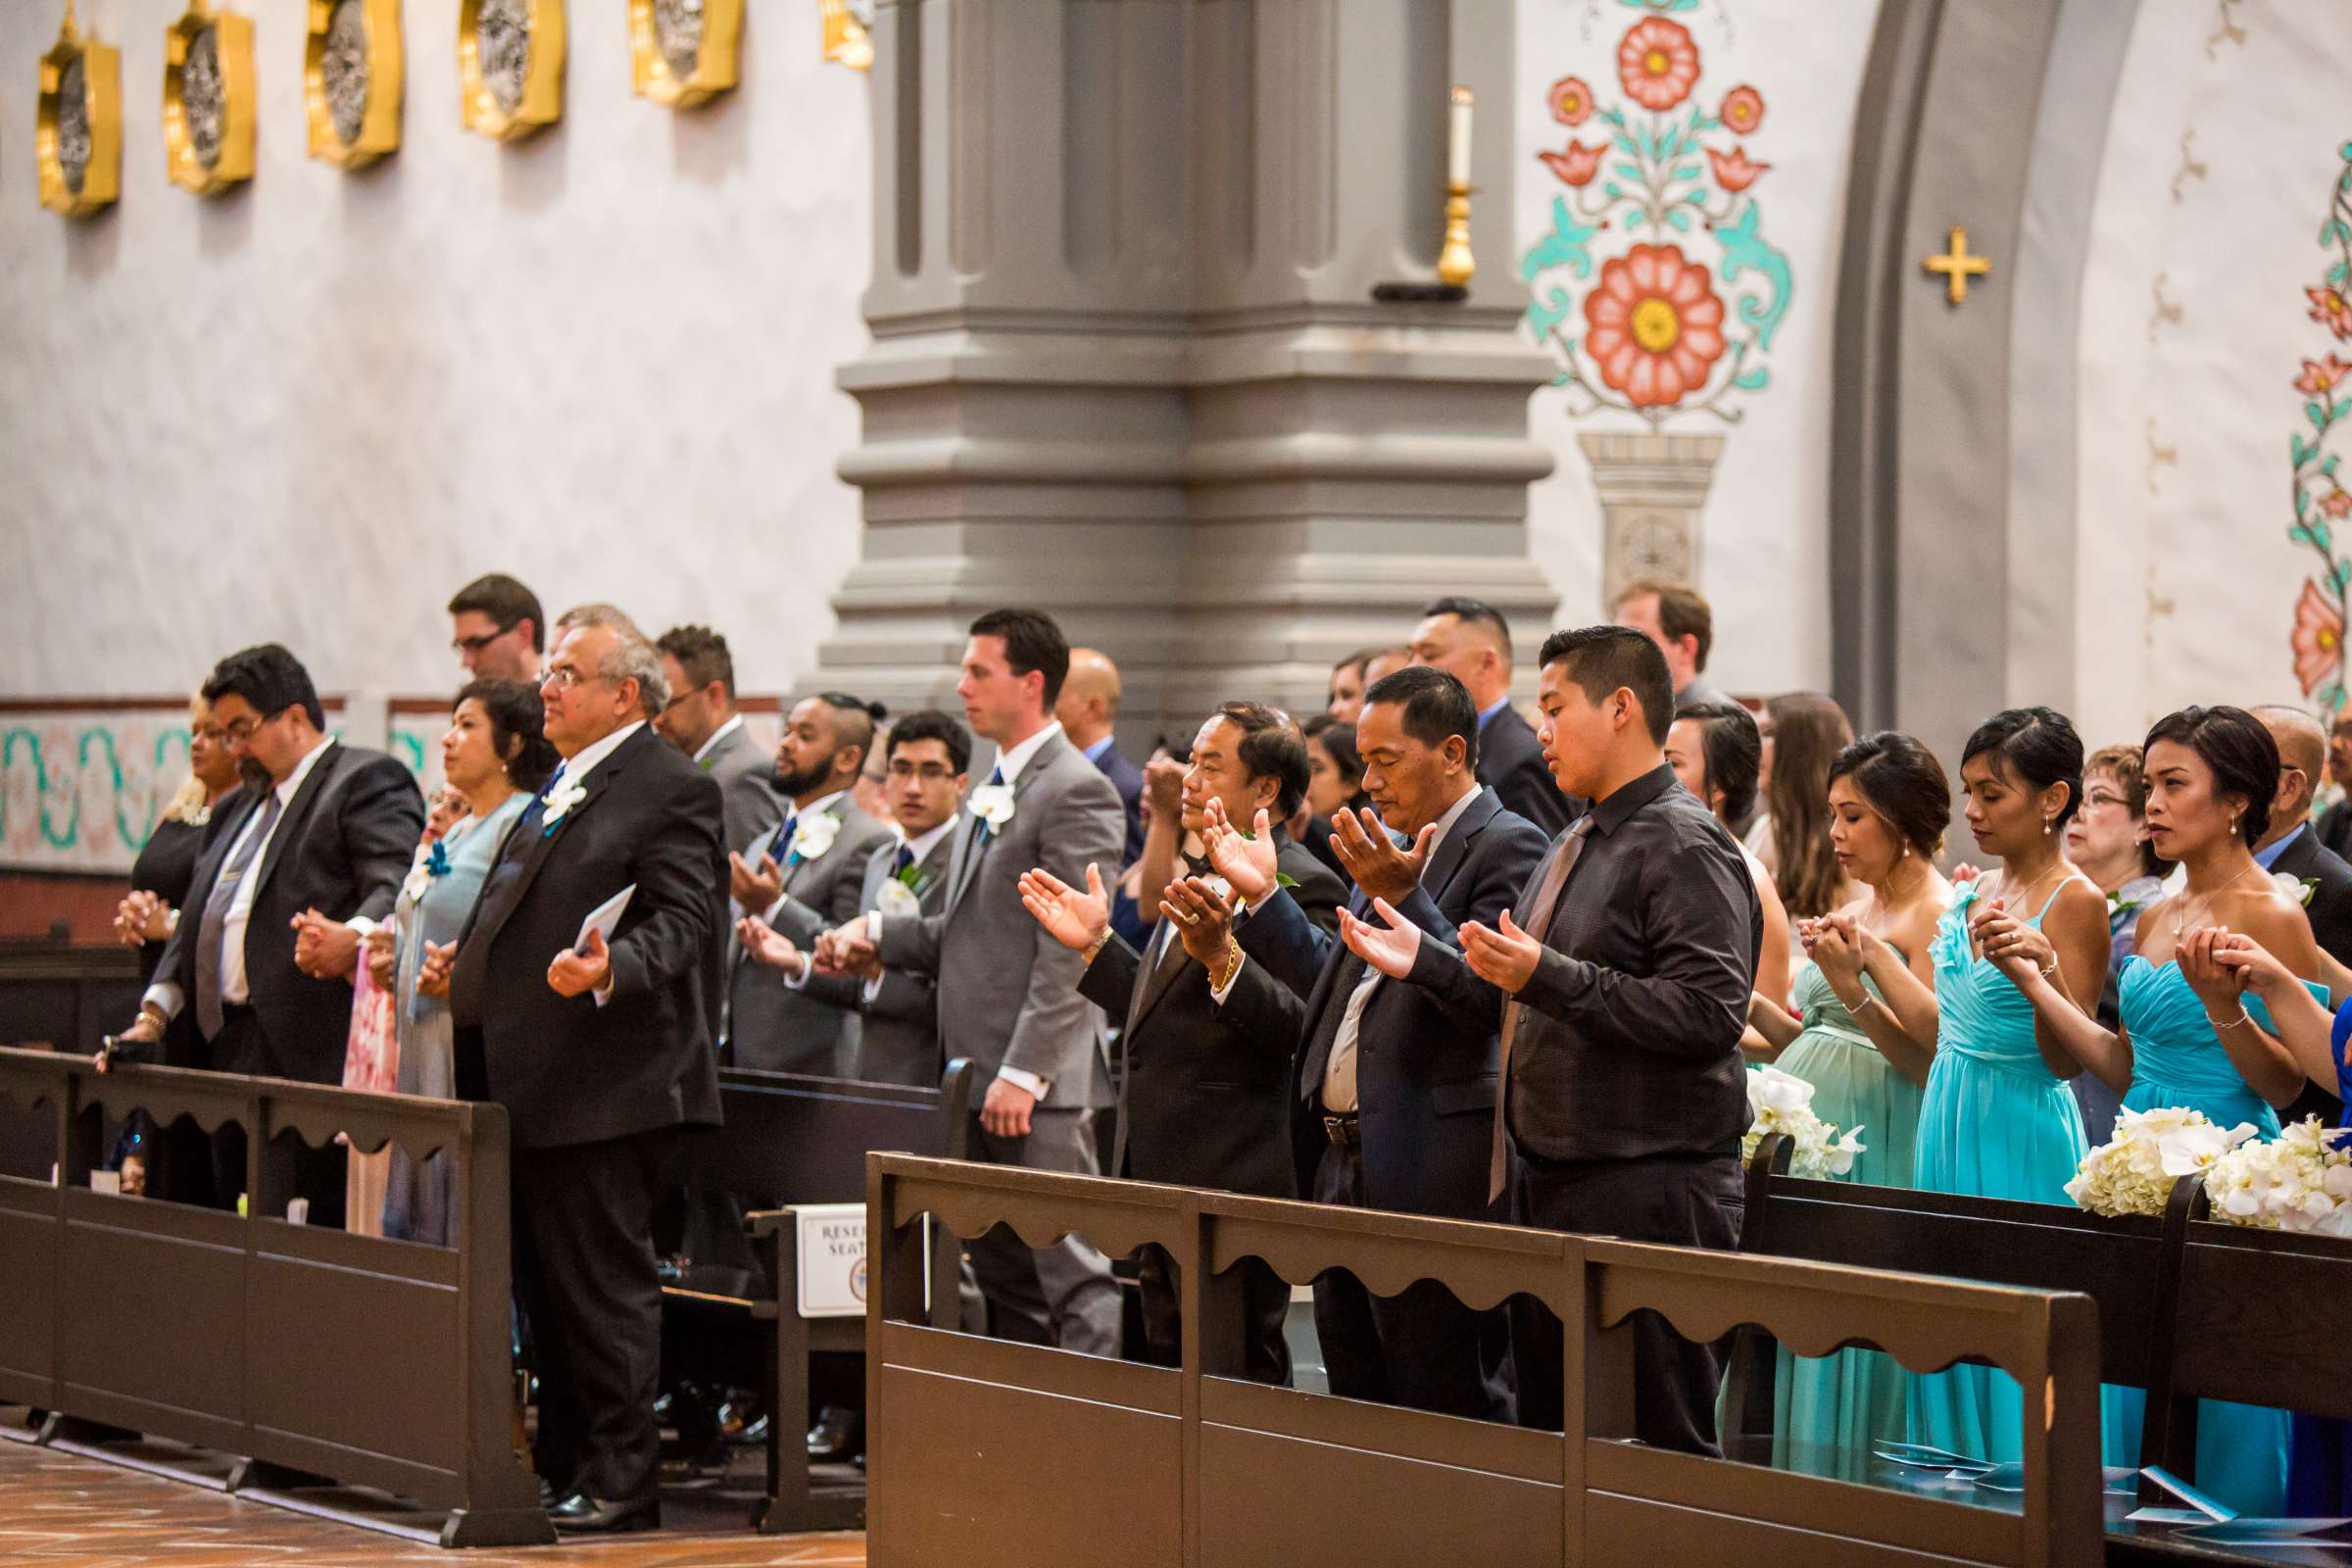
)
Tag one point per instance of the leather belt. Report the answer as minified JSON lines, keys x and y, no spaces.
{"x":1344,"y":1128}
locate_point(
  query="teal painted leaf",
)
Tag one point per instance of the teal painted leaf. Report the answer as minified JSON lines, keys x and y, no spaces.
{"x":2329,"y":467}
{"x":2339,"y":275}
{"x":1629,"y":170}
{"x":2301,"y":535}
{"x":2339,"y":576}
{"x":1754,"y":380}
{"x":2333,"y":232}
{"x":1547,"y":311}
{"x":1569,"y":245}
{"x":1686,"y":171}
{"x":1680,"y":218}
{"x":1744,"y":252}
{"x":2297,"y":451}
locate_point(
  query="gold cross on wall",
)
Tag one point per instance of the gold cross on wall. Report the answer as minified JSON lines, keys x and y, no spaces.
{"x":1958,"y":267}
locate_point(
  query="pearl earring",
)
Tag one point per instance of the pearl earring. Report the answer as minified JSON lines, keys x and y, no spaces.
{"x":2049,"y":825}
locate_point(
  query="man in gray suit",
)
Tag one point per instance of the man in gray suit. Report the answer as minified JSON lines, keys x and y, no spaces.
{"x":702,"y":721}
{"x":898,"y":1034}
{"x":801,"y":879}
{"x":1012,"y":1004}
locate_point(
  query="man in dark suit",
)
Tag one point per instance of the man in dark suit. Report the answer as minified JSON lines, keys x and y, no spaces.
{"x":1087,"y":708}
{"x":1621,"y":1002}
{"x":702,"y":720}
{"x":281,"y":903}
{"x":2291,"y":846}
{"x":2334,"y":825}
{"x":1468,"y":639}
{"x":1391,"y":1097}
{"x":897,"y":1035}
{"x":1008,"y":992}
{"x":800,"y":880}
{"x":599,"y":1048}
{"x":1200,"y":1106}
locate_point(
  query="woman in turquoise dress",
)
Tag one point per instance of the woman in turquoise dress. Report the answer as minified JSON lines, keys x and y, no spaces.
{"x":1864,"y":1038}
{"x":495,"y":759}
{"x":2188,"y":1039}
{"x":1997,"y":1119}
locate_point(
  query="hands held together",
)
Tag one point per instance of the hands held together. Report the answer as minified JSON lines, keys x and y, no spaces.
{"x":848,"y":950}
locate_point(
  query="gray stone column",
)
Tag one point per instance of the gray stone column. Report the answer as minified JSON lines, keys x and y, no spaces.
{"x":1125,"y":362}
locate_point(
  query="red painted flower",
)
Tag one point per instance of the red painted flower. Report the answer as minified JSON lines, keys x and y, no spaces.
{"x":2320,"y":376}
{"x":1576,"y":165}
{"x":2319,"y":639}
{"x":1742,"y":111}
{"x":2336,"y":503}
{"x":1734,"y":171}
{"x":2330,"y":309}
{"x":1658,"y":63}
{"x":1570,"y":101}
{"x":1656,"y":326}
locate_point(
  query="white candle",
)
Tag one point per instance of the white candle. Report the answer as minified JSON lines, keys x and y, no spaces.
{"x":1458,"y":150}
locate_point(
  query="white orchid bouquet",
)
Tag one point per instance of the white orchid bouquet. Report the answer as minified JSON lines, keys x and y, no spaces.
{"x":1783,"y":1103}
{"x":2300,"y":1181}
{"x":2133,"y":1171}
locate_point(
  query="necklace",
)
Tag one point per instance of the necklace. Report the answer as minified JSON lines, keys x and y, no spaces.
{"x":2056,"y":868}
{"x":2180,"y":914}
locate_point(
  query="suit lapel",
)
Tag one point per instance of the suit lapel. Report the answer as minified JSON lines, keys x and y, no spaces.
{"x":1153,"y":981}
{"x":1447,"y":859}
{"x":297,"y":808}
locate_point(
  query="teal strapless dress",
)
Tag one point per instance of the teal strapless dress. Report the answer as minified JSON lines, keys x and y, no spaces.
{"x":1995,"y":1123}
{"x":1828,"y":1411}
{"x":2177,"y":1060}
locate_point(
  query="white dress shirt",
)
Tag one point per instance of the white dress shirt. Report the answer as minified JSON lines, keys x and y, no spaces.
{"x":575,"y":768}
{"x":234,"y":991}
{"x":920,"y":847}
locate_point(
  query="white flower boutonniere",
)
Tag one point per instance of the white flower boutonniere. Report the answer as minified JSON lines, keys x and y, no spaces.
{"x":2294,"y":888}
{"x":559,"y":800}
{"x":420,"y":877}
{"x":897,"y":900}
{"x":812,"y":836}
{"x":993,"y":803}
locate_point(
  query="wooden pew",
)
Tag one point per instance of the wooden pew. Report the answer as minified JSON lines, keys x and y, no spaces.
{"x":1194,"y":1466}
{"x":791,"y":1139}
{"x":299,"y":1349}
{"x":56,"y":996}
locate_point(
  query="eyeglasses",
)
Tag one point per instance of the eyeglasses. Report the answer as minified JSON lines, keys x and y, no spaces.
{"x":563,"y":677}
{"x":681,"y":699}
{"x":239,"y":731}
{"x":474,"y":645}
{"x":928,"y":772}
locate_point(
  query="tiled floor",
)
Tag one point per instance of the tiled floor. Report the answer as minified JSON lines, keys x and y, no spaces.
{"x":58,"y":1508}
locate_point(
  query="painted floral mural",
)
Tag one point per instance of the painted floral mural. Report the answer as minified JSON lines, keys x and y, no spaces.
{"x":2321,"y":503}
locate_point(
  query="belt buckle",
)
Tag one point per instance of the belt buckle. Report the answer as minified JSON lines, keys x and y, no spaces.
{"x":1340,"y":1129}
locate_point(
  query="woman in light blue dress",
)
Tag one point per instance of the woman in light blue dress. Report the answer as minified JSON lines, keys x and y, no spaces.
{"x":1998,"y":1119}
{"x":1864,"y":1039}
{"x":2188,"y":1039}
{"x":495,"y":759}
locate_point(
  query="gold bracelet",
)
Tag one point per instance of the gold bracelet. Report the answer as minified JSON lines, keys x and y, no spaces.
{"x":1096,"y":945}
{"x":1231,"y":961}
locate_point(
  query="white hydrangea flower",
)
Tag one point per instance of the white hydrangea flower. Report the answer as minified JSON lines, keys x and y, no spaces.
{"x":1781,"y":1102}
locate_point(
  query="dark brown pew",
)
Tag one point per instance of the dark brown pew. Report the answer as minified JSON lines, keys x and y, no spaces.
{"x":61,"y":996}
{"x":300,"y":1349}
{"x":1193,"y":1466}
{"x":791,"y":1139}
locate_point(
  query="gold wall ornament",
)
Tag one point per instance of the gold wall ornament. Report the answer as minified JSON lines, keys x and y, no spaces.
{"x":352,"y":80}
{"x":686,"y":51}
{"x":509,"y":66}
{"x":849,"y":37}
{"x":211,"y":98}
{"x":79,"y":142}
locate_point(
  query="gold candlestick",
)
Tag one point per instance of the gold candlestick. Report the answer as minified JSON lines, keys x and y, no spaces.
{"x":1455,"y":264}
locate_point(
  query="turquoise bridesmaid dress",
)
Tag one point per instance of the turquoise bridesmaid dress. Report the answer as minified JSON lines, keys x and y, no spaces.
{"x":2177,"y":1060}
{"x":1995,"y":1123}
{"x":1829,"y":1410}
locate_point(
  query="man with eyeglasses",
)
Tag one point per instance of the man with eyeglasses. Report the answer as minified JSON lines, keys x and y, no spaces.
{"x":497,"y":629}
{"x":283,"y":897}
{"x":802,"y":879}
{"x":702,"y":720}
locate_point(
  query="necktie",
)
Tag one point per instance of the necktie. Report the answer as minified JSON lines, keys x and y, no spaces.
{"x":209,"y":1015}
{"x":903,"y":861}
{"x":996,"y":777}
{"x":1538,"y":924}
{"x":783,"y":846}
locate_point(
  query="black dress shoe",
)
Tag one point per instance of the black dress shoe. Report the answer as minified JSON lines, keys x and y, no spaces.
{"x":838,"y":1435}
{"x":582,"y":1515}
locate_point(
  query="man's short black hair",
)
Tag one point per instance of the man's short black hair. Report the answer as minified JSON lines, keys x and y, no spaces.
{"x":1032,"y":641}
{"x":854,"y":721}
{"x":270,"y":679}
{"x":506,"y":601}
{"x":1271,"y":748}
{"x":1602,"y":659}
{"x":1473,"y":612}
{"x":930,"y":724}
{"x":702,"y":656}
{"x":1436,"y":706}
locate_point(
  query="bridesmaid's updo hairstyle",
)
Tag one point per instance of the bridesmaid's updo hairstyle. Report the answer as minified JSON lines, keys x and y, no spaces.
{"x":2239,"y":749}
{"x":517,"y":720}
{"x":2039,"y":745}
{"x":1903,"y":783}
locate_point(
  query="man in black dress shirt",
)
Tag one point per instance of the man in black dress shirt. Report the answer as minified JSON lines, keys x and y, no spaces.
{"x":1468,"y":639}
{"x":1621,"y":1006}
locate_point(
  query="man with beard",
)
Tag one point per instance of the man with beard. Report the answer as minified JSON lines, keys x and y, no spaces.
{"x":805,"y":878}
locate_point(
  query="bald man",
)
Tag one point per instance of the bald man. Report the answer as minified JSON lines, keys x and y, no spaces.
{"x":2292,"y":847}
{"x":1087,"y":708}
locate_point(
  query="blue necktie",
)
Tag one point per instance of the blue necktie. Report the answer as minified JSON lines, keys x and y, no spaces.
{"x":980,"y":839}
{"x":783,"y":840}
{"x":901,"y":861}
